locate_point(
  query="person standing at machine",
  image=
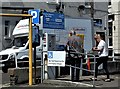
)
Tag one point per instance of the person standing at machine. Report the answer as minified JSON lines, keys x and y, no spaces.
{"x":74,"y":45}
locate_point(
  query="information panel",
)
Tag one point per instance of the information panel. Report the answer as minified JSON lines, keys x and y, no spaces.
{"x":53,"y":20}
{"x":56,"y":58}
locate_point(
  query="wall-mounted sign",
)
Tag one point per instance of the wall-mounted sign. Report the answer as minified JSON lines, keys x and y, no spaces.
{"x":53,"y":20}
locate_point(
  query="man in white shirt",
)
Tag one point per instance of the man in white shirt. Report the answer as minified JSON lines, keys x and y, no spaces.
{"x":103,"y":56}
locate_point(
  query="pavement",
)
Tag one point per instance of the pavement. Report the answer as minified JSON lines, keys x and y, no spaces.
{"x":64,"y":81}
{"x":86,"y":81}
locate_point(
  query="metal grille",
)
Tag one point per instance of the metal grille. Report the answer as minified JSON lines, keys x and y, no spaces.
{"x":3,"y":57}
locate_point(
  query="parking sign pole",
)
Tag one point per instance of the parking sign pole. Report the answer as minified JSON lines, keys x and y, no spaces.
{"x":30,"y":51}
{"x":34,"y":20}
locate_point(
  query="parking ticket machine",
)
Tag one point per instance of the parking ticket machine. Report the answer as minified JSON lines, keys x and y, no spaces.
{"x":49,"y":44}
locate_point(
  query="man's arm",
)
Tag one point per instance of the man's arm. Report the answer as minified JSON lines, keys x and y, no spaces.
{"x":96,"y":49}
{"x":99,"y":47}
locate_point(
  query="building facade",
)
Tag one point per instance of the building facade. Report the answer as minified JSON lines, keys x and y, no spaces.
{"x":70,"y":9}
{"x":114,"y":25}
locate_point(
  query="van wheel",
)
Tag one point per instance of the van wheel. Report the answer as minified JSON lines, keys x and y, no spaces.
{"x":5,"y":69}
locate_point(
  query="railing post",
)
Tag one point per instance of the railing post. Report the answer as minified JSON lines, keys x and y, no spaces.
{"x":94,"y":71}
{"x":113,"y":56}
{"x":81,"y":68}
{"x":86,"y":56}
{"x":16,"y":62}
{"x":70,"y":71}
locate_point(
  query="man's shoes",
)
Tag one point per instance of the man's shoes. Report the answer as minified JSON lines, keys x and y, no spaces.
{"x":107,"y":80}
{"x":94,"y":79}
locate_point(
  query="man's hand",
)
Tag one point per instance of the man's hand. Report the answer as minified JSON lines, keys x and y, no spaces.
{"x":94,"y":48}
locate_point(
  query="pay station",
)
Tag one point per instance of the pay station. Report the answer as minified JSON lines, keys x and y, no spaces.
{"x":49,"y":41}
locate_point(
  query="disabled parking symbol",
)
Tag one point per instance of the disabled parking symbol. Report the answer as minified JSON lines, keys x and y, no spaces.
{"x":50,"y":54}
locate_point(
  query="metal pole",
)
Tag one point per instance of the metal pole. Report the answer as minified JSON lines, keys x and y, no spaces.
{"x":113,"y":55}
{"x":81,"y":68}
{"x":30,"y":51}
{"x":70,"y":71}
{"x":92,"y":17}
{"x":42,"y":59}
{"x":42,"y":67}
{"x":92,"y":20}
{"x":94,"y":71}
{"x":16,"y":65}
{"x":16,"y":15}
{"x":92,"y":9}
{"x":86,"y":56}
{"x":58,"y":70}
{"x":35,"y":63}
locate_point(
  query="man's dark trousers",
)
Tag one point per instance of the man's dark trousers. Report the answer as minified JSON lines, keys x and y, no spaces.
{"x":105,"y":67}
{"x":75,"y":73}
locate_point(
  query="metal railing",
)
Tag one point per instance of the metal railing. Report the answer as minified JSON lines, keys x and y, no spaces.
{"x":81,"y":64}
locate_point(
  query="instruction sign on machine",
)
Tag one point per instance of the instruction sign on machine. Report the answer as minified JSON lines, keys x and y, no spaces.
{"x":56,"y":58}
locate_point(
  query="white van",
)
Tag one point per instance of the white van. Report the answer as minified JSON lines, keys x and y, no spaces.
{"x":18,"y":55}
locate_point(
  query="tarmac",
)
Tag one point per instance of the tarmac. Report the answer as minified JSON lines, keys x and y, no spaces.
{"x":85,"y":81}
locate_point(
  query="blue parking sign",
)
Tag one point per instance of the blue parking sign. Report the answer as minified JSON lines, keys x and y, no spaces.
{"x":36,"y":16}
{"x":50,"y":54}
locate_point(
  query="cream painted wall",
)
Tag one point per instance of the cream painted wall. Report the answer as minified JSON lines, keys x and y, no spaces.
{"x":116,"y":30}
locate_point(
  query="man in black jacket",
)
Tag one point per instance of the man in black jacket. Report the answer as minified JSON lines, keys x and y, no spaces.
{"x":74,"y":45}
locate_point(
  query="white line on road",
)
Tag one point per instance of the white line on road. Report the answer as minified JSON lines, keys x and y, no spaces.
{"x":77,"y":83}
{"x":80,"y":83}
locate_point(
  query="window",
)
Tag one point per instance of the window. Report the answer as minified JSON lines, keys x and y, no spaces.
{"x":111,"y":17}
{"x":110,"y":52}
{"x":110,"y":31}
{"x":7,"y":27}
{"x":110,"y":28}
{"x":110,"y":42}
{"x":109,"y":2}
